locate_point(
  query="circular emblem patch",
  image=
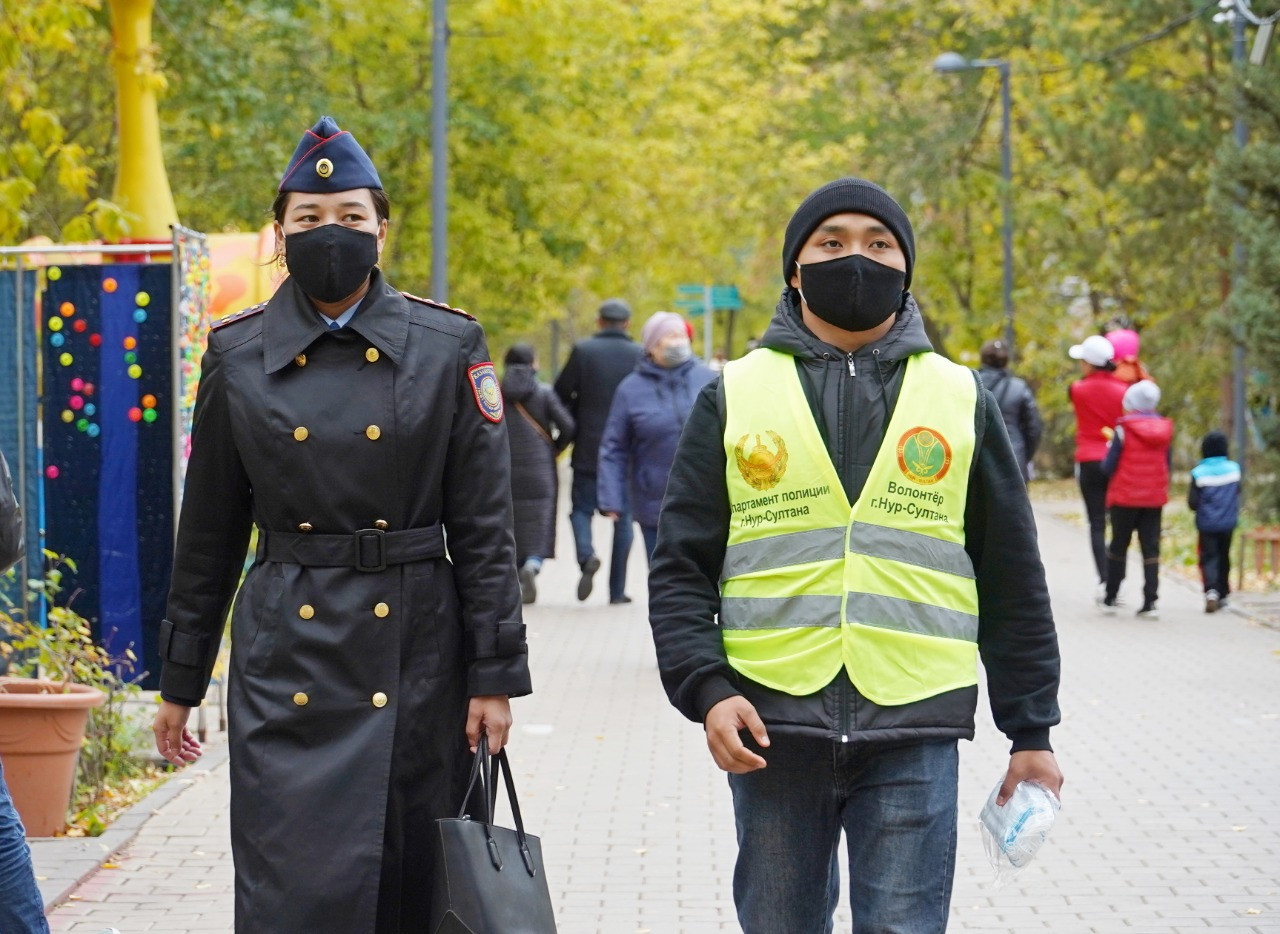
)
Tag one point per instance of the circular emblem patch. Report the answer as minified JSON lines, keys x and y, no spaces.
{"x":484,"y":383}
{"x":760,"y":467}
{"x":324,"y":168}
{"x":924,"y":455}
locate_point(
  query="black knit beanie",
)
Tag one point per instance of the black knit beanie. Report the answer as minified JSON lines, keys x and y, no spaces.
{"x":846,"y":195}
{"x":1214,"y":445}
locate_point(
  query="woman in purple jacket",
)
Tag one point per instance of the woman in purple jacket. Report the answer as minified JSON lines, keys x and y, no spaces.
{"x":645,"y":421}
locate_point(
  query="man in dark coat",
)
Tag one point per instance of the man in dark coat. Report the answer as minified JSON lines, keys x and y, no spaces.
{"x":586,"y":385}
{"x":355,"y":426}
{"x":540,"y":428}
{"x":1016,"y":401}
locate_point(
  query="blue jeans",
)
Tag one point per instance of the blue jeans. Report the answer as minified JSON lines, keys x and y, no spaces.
{"x":897,"y":807}
{"x":21,"y":907}
{"x":583,"y":506}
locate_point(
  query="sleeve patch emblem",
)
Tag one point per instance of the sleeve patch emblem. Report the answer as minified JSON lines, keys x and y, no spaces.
{"x":484,"y":383}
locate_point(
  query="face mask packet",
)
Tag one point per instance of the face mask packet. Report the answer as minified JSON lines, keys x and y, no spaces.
{"x":1013,"y":834}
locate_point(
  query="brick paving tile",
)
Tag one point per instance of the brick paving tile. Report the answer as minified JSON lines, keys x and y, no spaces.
{"x":1170,"y":744}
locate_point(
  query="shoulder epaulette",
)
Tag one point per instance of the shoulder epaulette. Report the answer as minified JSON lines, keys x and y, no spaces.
{"x":239,"y":316}
{"x":440,"y":305}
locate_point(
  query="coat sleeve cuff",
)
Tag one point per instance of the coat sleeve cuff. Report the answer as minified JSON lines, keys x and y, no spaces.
{"x":182,"y":684}
{"x":712,"y":691}
{"x":508,"y":675}
{"x":180,"y":701}
{"x":1030,"y":739}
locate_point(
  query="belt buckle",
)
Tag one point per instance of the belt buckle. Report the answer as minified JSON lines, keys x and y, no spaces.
{"x":379,"y":539}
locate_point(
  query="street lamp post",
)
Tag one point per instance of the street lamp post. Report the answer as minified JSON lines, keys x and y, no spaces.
{"x":951,"y":62}
{"x":439,"y":150}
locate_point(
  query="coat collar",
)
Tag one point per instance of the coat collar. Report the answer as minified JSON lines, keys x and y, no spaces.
{"x":291,"y":323}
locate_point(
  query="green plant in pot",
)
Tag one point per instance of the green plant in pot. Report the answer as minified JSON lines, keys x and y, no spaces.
{"x":62,"y":702}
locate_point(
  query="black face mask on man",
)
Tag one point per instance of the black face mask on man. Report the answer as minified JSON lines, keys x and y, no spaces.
{"x":331,"y":261}
{"x":853,"y":293}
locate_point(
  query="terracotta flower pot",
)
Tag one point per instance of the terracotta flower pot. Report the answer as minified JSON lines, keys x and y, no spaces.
{"x":41,"y":730}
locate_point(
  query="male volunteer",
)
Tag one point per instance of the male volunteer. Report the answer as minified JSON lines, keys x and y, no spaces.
{"x":847,"y":504}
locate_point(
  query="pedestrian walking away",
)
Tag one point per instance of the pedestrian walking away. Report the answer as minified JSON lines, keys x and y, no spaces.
{"x":356,"y":426}
{"x":646,"y":418}
{"x":541,"y":431}
{"x":1137,"y":467}
{"x":592,"y":374}
{"x":21,"y":907}
{"x":1214,"y":496}
{"x":845,"y":531}
{"x":1016,"y":401}
{"x":1097,"y":398}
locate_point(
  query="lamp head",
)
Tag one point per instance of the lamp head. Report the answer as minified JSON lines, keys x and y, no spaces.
{"x":951,"y":61}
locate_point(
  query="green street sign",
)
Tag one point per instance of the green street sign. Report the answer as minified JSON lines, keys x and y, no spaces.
{"x":692,"y":298}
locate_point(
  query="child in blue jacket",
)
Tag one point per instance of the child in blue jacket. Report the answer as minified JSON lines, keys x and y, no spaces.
{"x":1214,"y":495}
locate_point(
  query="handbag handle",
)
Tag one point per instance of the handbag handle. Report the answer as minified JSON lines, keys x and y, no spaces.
{"x":484,"y":771}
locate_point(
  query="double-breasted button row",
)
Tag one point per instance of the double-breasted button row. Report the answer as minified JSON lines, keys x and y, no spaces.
{"x":301,"y":699}
{"x":373,"y":433}
{"x":380,"y":610}
{"x":371,"y":355}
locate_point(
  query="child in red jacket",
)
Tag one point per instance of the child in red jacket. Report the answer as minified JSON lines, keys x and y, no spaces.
{"x":1137,"y":463}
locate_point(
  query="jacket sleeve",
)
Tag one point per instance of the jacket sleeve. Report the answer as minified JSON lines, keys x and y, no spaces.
{"x":213,"y":536}
{"x":1032,"y":426}
{"x":11,"y":525}
{"x":1115,"y":447}
{"x":478,"y":522}
{"x":1016,"y":634}
{"x":615,"y":453}
{"x":567,"y":385}
{"x":564,"y":423}
{"x":1193,"y":494}
{"x":684,"y":579}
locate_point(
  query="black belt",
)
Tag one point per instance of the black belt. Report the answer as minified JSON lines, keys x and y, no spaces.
{"x":365,"y":550}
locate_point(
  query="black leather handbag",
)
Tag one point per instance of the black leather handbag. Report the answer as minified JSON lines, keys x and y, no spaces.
{"x":489,"y":879}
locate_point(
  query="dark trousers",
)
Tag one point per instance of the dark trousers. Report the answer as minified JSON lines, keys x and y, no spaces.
{"x":1124,"y":521}
{"x":1093,"y":487}
{"x":582,"y":495}
{"x":1215,"y":561}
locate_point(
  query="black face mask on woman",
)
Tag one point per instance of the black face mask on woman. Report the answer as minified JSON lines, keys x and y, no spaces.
{"x":332,"y":261}
{"x":853,"y":293}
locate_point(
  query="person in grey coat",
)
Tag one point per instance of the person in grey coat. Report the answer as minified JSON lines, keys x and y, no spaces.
{"x":1016,"y":401}
{"x":356,"y":426}
{"x":540,"y":428}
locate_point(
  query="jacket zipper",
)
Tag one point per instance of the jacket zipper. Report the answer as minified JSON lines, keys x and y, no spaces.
{"x":844,"y":687}
{"x":849,"y":360}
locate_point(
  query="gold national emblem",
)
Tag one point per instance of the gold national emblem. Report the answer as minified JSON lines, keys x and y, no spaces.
{"x":761,"y":467}
{"x":924,"y":455}
{"x":324,"y":168}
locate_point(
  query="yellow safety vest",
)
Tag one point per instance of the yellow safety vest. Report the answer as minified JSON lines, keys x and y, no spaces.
{"x":883,"y":588}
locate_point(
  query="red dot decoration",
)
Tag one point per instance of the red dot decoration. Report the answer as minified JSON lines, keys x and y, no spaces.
{"x":51,"y":471}
{"x":77,"y":384}
{"x":77,"y":403}
{"x":88,"y":389}
{"x":80,"y":326}
{"x":135,"y":414}
{"x":95,"y":340}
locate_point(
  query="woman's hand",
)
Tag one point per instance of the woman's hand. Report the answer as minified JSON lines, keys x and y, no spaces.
{"x":173,"y":740}
{"x":490,"y":714}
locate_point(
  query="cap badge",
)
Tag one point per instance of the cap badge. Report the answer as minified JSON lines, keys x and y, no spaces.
{"x":324,"y":168}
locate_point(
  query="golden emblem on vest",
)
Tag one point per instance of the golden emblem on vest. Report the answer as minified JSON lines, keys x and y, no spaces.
{"x":761,"y":467}
{"x":924,"y":455}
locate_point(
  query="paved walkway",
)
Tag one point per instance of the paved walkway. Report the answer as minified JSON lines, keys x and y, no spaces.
{"x":1170,"y":745}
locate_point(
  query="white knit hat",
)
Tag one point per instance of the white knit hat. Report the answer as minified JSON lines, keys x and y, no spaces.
{"x":1142,"y":396}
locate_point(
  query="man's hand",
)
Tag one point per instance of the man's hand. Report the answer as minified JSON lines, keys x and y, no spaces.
{"x":1031,"y":765}
{"x":173,"y":740}
{"x":612,"y":516}
{"x":723,"y":722}
{"x":490,"y":714}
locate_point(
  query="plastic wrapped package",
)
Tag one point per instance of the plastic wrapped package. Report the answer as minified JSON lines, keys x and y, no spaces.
{"x":1014,"y":833}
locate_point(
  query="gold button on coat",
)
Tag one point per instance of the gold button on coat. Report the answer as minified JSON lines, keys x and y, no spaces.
{"x":373,"y":432}
{"x":300,"y":359}
{"x":301,"y":699}
{"x":371,"y":354}
{"x":300,"y":434}
{"x":305,"y":526}
{"x":381,"y":610}
{"x":380,"y":523}
{"x":379,"y":700}
{"x":306,"y":611}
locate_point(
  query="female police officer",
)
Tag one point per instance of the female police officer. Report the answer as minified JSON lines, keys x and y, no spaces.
{"x":354,"y":425}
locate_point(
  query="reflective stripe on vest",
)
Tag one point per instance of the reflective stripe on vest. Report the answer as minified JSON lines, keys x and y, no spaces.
{"x":810,"y":584}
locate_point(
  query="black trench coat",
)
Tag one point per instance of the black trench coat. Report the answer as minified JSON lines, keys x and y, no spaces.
{"x":349,"y":685}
